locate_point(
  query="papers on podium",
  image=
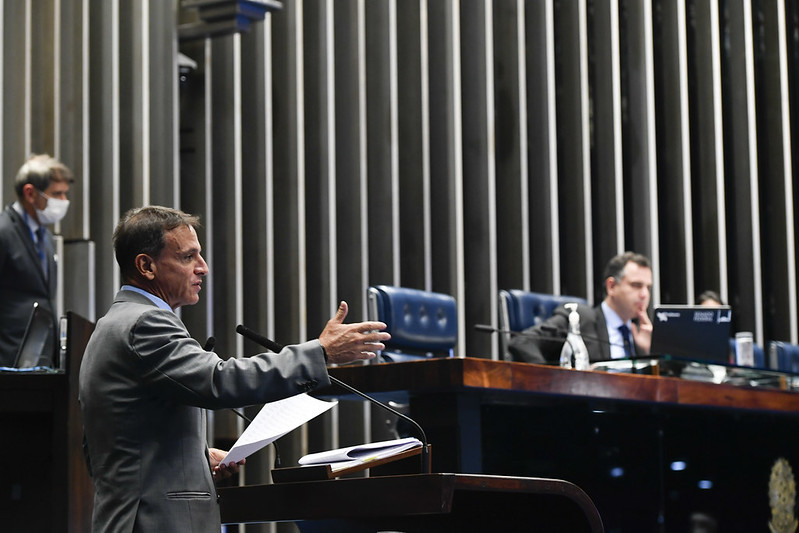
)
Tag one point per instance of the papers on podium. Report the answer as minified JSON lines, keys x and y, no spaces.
{"x":345,"y":458}
{"x":274,"y":420}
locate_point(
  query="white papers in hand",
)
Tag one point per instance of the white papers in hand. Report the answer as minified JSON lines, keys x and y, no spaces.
{"x":274,"y":420}
{"x":362,"y":453}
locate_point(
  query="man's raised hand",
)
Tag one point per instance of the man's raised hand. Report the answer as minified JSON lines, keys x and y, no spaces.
{"x":344,"y":343}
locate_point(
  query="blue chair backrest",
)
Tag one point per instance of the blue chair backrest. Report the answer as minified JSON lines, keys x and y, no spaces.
{"x":518,"y":310}
{"x":760,"y":356}
{"x":525,"y":309}
{"x":783,"y":356}
{"x":423,"y":324}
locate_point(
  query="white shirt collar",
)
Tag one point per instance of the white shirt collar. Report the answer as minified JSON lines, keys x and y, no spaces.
{"x":32,"y":224}
{"x":153,"y":298}
{"x":613,"y":320}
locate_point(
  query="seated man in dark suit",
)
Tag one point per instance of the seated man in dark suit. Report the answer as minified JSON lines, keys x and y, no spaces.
{"x":621,"y":316}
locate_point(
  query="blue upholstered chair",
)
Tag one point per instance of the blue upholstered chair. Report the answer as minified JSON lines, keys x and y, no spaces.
{"x":520,"y":309}
{"x":783,"y":356}
{"x":422,"y":324}
{"x":760,"y":357}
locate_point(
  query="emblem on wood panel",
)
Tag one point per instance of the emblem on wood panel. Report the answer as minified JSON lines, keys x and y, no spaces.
{"x":782,"y":498}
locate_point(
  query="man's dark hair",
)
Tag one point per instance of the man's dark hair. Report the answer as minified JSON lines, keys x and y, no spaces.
{"x":142,"y":231}
{"x":615,"y":267}
{"x":40,"y":170}
{"x":709,"y":295}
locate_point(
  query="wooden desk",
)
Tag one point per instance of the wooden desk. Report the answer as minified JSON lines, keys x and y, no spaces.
{"x":467,"y":373}
{"x":417,"y":503}
{"x":644,"y":448}
{"x":44,"y":485}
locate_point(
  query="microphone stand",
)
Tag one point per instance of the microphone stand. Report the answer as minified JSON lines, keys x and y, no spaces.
{"x":210,"y":343}
{"x":425,"y":452}
{"x":271,"y":345}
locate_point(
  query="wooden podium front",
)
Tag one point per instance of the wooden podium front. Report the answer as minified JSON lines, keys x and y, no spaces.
{"x":653,"y":453}
{"x":417,"y":503}
{"x":45,"y":486}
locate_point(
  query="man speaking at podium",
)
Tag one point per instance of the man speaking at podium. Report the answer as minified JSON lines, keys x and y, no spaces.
{"x":618,"y":327}
{"x":144,"y":382}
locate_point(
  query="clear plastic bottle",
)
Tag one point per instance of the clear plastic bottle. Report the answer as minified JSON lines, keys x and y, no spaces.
{"x":574,"y":347}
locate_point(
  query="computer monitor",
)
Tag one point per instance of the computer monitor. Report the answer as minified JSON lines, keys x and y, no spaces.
{"x":38,"y":342}
{"x":693,"y":332}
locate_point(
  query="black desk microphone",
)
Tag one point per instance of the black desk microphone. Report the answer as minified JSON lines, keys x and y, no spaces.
{"x":486,"y":328}
{"x":269,"y":344}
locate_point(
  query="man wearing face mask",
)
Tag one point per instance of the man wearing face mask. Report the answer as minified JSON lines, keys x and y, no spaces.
{"x":27,"y":254}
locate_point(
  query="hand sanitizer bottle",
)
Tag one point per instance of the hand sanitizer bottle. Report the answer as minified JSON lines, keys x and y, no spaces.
{"x":566,"y":354}
{"x":574,"y":345}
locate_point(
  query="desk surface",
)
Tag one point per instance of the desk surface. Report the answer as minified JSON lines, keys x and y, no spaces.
{"x":474,"y":373}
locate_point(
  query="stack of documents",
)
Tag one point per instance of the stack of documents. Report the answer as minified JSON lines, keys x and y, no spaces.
{"x":343,"y":458}
{"x":275,"y":420}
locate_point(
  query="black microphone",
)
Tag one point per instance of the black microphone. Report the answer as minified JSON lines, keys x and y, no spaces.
{"x":554,"y":337}
{"x":269,"y":344}
{"x":557,"y":334}
{"x":560,"y":335}
{"x":209,"y":344}
{"x":275,"y":347}
{"x":425,"y":455}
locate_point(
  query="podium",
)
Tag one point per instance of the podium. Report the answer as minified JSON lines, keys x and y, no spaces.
{"x":417,"y":503}
{"x":45,"y":486}
{"x":654,"y":453}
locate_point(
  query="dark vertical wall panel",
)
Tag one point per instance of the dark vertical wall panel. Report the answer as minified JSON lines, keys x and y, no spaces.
{"x":544,"y":227}
{"x":15,"y":95}
{"x":510,"y":97}
{"x":414,"y":146}
{"x":381,"y":128}
{"x":478,"y":173}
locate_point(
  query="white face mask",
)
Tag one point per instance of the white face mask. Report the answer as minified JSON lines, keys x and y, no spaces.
{"x":53,"y":211}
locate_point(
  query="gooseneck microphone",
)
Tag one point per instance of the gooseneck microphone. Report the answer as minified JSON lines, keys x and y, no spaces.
{"x":553,"y":337}
{"x":491,"y":329}
{"x":269,"y":344}
{"x":557,"y":335}
{"x":425,"y":455}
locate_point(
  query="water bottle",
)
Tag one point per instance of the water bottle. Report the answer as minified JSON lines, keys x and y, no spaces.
{"x":574,"y":347}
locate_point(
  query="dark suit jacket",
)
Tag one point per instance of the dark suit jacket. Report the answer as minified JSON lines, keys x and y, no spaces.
{"x":22,"y":283}
{"x":143,"y":386}
{"x":542,"y":343}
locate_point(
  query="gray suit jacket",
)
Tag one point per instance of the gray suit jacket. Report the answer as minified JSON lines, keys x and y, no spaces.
{"x":143,"y":386}
{"x":22,"y":283}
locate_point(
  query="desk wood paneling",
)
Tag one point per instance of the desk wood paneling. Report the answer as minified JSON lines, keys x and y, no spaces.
{"x":614,"y":435}
{"x":474,"y":373}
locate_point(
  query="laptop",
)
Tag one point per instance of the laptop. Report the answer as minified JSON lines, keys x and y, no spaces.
{"x":692,"y":332}
{"x":36,"y":348}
